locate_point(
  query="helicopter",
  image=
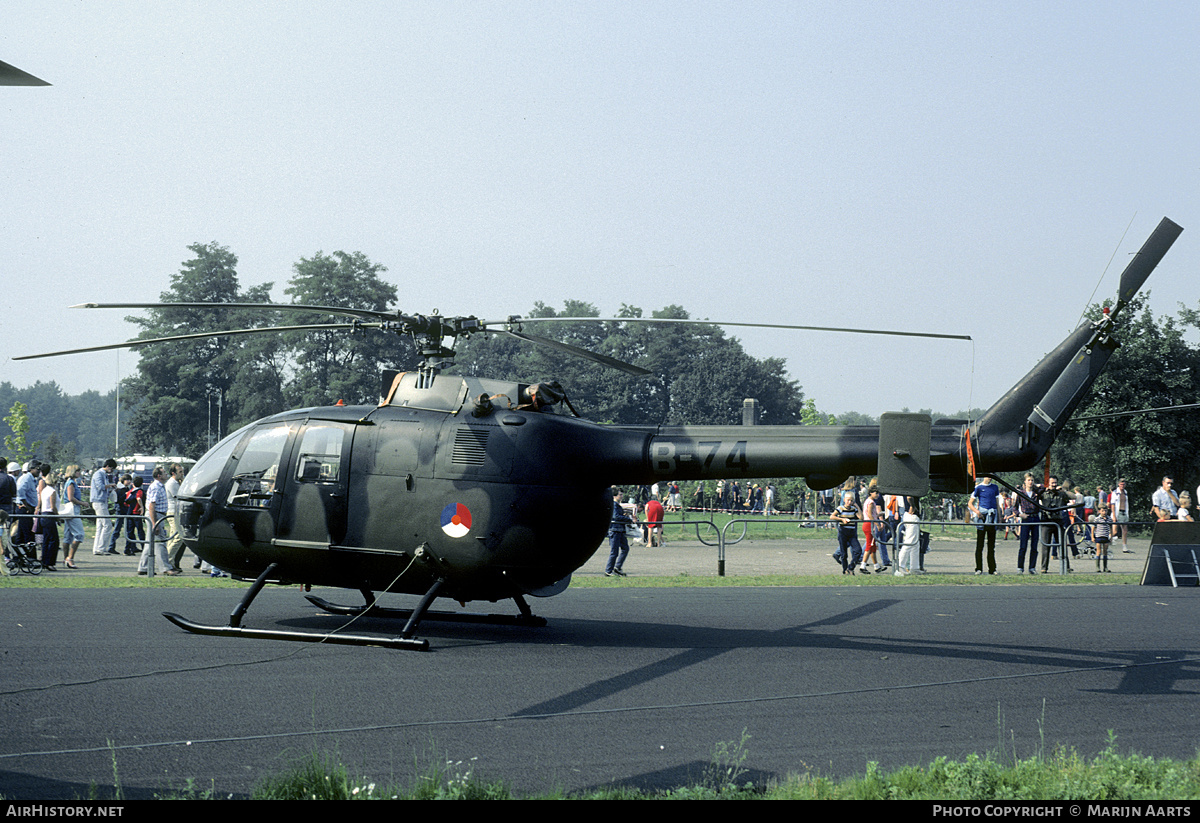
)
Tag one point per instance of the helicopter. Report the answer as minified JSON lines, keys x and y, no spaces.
{"x":457,"y":486}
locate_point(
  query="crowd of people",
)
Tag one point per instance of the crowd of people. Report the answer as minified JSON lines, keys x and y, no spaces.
{"x":1054,"y":518}
{"x":731,"y":496}
{"x":121,"y":503}
{"x":1065,"y":522}
{"x":1059,"y":519}
{"x":30,"y":490}
{"x":880,"y":516}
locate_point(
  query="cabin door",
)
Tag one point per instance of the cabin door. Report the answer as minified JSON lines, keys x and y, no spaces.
{"x":315,"y":505}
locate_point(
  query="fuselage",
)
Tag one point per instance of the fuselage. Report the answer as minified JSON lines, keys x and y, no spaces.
{"x":494,"y":499}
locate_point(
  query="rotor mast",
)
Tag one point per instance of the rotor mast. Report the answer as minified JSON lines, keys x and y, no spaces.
{"x":429,"y":334}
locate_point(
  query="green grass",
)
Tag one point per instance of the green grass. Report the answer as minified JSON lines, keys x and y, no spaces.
{"x":819,"y":580}
{"x":1062,"y":774}
{"x":126,"y":581}
{"x":66,"y":581}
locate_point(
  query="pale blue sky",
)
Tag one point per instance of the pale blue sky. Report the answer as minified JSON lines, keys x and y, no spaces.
{"x":952,"y":167}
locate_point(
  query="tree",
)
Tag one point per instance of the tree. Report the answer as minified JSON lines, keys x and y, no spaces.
{"x":170,"y":395}
{"x":60,"y":454}
{"x":716,"y":381}
{"x":588,"y":385}
{"x":698,"y":374}
{"x":253,"y":376}
{"x":1154,"y":367}
{"x":853,"y":418}
{"x":67,"y":426}
{"x":809,"y":416}
{"x":94,"y":415}
{"x":50,"y":413}
{"x":336,"y":365}
{"x":15,"y":443}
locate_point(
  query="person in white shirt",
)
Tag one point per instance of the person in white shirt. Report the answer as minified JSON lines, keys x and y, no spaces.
{"x":1118,"y":501}
{"x":103,"y":482}
{"x":909,"y":561}
{"x":1165,"y":502}
{"x":175,"y":547}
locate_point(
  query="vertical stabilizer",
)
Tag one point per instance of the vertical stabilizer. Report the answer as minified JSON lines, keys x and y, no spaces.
{"x":1018,"y":430}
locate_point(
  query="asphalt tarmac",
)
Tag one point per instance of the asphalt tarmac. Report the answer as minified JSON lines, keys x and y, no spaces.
{"x":625,"y":685}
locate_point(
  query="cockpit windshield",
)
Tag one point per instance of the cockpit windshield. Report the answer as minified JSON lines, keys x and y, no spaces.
{"x":205,"y":474}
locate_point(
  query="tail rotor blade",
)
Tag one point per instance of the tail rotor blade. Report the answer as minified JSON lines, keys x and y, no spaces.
{"x":1144,"y":261}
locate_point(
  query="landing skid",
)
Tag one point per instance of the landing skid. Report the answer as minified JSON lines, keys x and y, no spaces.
{"x":526,"y":618}
{"x":236,"y":629}
{"x":303,"y":637}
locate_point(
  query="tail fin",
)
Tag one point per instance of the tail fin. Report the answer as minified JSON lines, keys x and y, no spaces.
{"x":1018,"y":430}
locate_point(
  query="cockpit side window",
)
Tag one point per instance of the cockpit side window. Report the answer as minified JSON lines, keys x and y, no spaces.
{"x":257,"y":471}
{"x":320,"y":459}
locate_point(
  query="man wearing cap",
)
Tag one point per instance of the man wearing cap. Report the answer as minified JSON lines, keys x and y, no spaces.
{"x":27,"y":500}
{"x":103,"y":483}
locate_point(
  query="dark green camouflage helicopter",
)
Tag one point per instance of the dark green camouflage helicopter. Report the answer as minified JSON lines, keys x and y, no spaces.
{"x":459,"y":487}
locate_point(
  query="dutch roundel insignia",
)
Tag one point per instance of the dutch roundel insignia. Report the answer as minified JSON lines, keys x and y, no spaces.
{"x":456,"y":520}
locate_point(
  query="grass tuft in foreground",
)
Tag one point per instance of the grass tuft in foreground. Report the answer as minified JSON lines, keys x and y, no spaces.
{"x":322,"y":777}
{"x":1060,"y":775}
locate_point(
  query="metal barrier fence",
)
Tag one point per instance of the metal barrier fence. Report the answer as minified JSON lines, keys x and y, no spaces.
{"x":150,"y":535}
{"x":723,"y":537}
{"x":720,"y":544}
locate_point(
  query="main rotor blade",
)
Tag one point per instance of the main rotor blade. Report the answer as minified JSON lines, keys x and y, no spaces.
{"x":1148,"y":256}
{"x":611,"y":362}
{"x":204,"y":335}
{"x":1182,"y":407}
{"x":523,"y":320}
{"x":12,"y":76}
{"x":369,"y":314}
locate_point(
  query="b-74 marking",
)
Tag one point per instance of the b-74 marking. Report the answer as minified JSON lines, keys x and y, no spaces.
{"x":670,"y":458}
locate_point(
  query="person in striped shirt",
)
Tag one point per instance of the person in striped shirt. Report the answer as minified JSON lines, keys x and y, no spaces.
{"x":1102,"y":531}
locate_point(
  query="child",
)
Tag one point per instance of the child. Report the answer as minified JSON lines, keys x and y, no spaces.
{"x":872,"y":517}
{"x":135,"y":527}
{"x":909,"y":560}
{"x":1102,"y":529}
{"x":1185,"y":506}
{"x":846,"y":516}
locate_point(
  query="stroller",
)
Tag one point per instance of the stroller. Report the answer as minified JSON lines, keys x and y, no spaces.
{"x":20,"y":557}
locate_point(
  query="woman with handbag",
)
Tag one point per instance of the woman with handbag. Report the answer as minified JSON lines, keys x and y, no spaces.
{"x":70,"y":504}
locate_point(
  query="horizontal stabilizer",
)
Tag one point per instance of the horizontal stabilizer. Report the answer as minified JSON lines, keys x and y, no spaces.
{"x":904,"y":453}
